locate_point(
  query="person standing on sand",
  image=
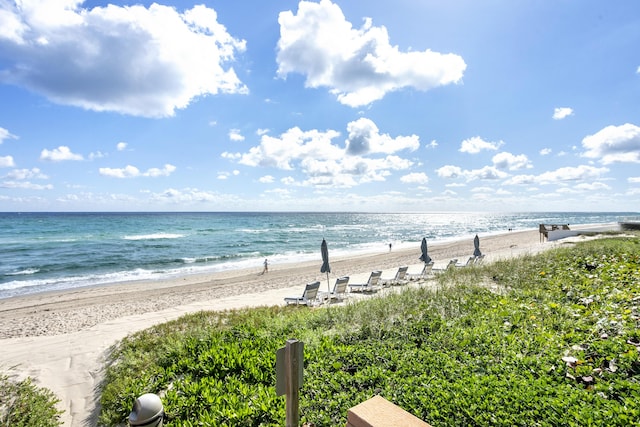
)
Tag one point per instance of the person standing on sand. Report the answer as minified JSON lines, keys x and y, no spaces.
{"x":266,"y":266}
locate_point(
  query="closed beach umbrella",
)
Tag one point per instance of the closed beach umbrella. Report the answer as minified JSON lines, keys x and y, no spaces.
{"x":425,"y":256}
{"x":476,"y":245}
{"x":325,"y":261}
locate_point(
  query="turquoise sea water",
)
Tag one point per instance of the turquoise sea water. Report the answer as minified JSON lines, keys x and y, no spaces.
{"x":52,"y":251}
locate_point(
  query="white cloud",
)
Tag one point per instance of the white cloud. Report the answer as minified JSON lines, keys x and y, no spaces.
{"x":172,"y":58}
{"x":359,"y":66}
{"x":121,"y":146}
{"x":562,"y":112}
{"x":6,"y":162}
{"x":485,"y":173}
{"x":235,"y":135}
{"x":59,"y":154}
{"x":579,"y":173}
{"x":510,"y":161}
{"x":634,"y":179}
{"x":364,"y":138}
{"x":638,"y":70}
{"x":476,"y":144}
{"x":5,"y":134}
{"x":133,"y":172}
{"x":267,"y":179}
{"x":614,"y":144}
{"x":25,"y":185}
{"x":324,"y":163}
{"x":415,"y":178}
{"x":449,"y":171}
{"x":22,"y":174}
{"x":545,"y":151}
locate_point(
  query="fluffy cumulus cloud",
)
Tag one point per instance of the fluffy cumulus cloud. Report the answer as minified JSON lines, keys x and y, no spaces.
{"x":476,"y":144}
{"x":614,"y":144}
{"x":367,"y":155}
{"x":137,"y":60}
{"x":511,"y":162}
{"x":562,"y":112}
{"x":133,"y":172}
{"x":59,"y":154}
{"x":415,"y":178}
{"x":488,"y":173}
{"x":358,"y":65}
{"x":6,"y":162}
{"x":364,"y":138}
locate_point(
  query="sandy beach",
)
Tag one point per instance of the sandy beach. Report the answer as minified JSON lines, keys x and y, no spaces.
{"x":60,"y":339}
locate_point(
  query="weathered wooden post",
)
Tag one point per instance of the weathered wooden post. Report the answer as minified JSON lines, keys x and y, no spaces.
{"x":289,"y":371}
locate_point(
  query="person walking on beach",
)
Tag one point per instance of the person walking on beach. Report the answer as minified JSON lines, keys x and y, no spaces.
{"x":266,"y":266}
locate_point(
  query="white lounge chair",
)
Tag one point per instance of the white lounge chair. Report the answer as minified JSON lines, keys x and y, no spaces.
{"x":452,"y":264}
{"x":399,"y":279}
{"x":339,"y":292}
{"x":479,"y":260}
{"x":469,"y":262}
{"x":309,"y":296}
{"x":370,"y":286}
{"x":426,"y":271}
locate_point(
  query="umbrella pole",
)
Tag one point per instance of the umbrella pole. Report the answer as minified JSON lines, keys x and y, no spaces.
{"x":328,"y":285}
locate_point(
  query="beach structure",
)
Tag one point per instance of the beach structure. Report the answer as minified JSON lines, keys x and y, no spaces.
{"x":309,"y":296}
{"x":423,"y":274}
{"x":400,"y":278}
{"x":371,"y":285}
{"x":339,"y":292}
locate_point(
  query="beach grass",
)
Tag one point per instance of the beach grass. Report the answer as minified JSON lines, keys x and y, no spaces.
{"x":23,"y":404}
{"x":547,"y":339}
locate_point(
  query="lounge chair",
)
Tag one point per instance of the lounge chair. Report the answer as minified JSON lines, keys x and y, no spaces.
{"x":469,"y":262}
{"x":452,"y":263}
{"x":426,"y":271}
{"x":339,"y":292}
{"x":370,"y":286}
{"x":479,"y":260}
{"x":309,"y":296}
{"x":399,"y":279}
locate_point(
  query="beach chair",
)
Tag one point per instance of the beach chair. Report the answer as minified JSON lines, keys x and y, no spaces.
{"x":479,"y":260}
{"x":309,"y":296}
{"x":426,"y":271}
{"x":370,"y":286}
{"x":339,"y":292}
{"x":452,"y":264}
{"x":469,"y":262}
{"x":399,"y":279}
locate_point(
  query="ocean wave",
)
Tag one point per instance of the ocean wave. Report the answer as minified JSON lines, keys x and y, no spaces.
{"x":155,"y":236}
{"x":25,"y":272}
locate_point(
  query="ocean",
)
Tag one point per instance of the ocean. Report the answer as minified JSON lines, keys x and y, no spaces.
{"x":55,"y":251}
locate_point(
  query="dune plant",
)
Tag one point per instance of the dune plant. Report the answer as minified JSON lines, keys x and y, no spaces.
{"x":544,"y":340}
{"x":23,"y":404}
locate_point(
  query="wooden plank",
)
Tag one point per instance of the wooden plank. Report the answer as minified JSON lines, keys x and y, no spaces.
{"x":379,"y":412}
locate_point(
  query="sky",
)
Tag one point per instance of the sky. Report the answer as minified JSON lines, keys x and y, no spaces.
{"x":329,"y":105}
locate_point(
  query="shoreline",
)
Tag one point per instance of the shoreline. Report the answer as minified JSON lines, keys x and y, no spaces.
{"x":67,"y":311}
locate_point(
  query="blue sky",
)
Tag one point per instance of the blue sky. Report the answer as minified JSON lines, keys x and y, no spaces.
{"x":320,"y":106}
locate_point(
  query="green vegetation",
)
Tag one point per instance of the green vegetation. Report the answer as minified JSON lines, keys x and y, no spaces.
{"x":541,"y":340}
{"x":22,"y":404}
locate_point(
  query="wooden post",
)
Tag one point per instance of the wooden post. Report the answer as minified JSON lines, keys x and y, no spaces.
{"x":293,"y":363}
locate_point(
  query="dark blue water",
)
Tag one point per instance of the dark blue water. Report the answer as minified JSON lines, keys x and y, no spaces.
{"x":47,"y":251}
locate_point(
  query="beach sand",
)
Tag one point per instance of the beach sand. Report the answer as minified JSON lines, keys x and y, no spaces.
{"x":60,"y":339}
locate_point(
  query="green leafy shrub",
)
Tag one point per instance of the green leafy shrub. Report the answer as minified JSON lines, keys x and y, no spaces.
{"x":22,"y":404}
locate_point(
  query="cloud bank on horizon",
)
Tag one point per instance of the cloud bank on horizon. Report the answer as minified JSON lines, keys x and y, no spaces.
{"x":322,"y":105}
